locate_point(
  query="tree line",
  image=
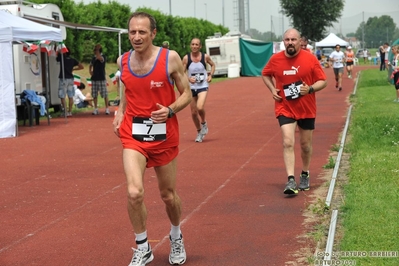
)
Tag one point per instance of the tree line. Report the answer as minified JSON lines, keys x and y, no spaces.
{"x":177,"y":30}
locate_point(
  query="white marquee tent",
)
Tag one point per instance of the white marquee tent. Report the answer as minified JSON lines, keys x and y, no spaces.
{"x":331,"y":40}
{"x":13,"y":28}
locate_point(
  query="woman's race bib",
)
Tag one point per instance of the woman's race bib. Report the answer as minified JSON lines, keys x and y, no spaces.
{"x":144,"y":129}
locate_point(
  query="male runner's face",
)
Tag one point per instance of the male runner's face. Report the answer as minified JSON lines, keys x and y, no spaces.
{"x":195,"y":45}
{"x":140,"y":34}
{"x":292,"y":42}
{"x":304,"y":44}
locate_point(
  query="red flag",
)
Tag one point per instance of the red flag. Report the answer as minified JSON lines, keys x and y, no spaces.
{"x":30,"y":48}
{"x":61,"y":47}
{"x":45,"y":46}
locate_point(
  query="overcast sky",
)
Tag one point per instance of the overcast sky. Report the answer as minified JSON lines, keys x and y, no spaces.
{"x":264,"y":14}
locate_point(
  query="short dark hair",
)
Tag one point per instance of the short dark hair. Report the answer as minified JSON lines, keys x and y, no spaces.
{"x":98,"y":47}
{"x":82,"y":86}
{"x":139,"y":14}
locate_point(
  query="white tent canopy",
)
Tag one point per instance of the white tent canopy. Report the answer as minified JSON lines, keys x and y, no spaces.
{"x":5,"y":33}
{"x":23,"y":29}
{"x":13,"y":28}
{"x":331,"y":40}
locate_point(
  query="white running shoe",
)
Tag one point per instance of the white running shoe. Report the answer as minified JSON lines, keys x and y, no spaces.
{"x":199,"y":137}
{"x":177,"y":254}
{"x":141,"y":257}
{"x":204,"y":129}
{"x":107,"y":111}
{"x":95,"y":112}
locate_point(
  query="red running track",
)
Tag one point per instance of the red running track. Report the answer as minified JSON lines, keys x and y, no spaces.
{"x":63,"y":199}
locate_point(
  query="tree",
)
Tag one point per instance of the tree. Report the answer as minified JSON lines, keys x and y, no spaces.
{"x":312,"y":17}
{"x":377,"y":30}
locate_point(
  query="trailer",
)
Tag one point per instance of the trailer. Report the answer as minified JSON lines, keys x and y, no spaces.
{"x":225,"y":50}
{"x":37,"y":71}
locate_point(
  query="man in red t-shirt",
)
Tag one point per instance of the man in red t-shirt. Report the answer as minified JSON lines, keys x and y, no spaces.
{"x":293,"y":76}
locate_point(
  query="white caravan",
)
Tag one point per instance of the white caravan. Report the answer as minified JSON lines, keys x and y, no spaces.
{"x":36,"y":71}
{"x":225,"y":50}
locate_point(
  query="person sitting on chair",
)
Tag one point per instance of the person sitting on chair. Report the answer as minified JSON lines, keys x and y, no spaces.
{"x":80,"y":100}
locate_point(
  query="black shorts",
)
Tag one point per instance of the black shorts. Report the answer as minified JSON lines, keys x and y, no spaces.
{"x":349,"y":63}
{"x":396,"y":80}
{"x":306,"y":123}
{"x":195,"y":92}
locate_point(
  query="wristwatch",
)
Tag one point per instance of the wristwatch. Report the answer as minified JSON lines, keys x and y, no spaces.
{"x":311,"y":90}
{"x":171,"y":113}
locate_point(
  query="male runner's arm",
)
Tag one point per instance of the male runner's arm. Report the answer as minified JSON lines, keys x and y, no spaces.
{"x":122,"y":106}
{"x":213,"y":66}
{"x":176,"y":71}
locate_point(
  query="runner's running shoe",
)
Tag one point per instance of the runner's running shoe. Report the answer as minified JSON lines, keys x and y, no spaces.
{"x":290,"y":187}
{"x":177,"y":254}
{"x":204,"y":129}
{"x":304,"y":181}
{"x":141,"y":257}
{"x":199,"y":137}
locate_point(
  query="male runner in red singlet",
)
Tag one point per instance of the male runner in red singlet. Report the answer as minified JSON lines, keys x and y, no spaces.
{"x":149,"y":132}
{"x":298,"y":75}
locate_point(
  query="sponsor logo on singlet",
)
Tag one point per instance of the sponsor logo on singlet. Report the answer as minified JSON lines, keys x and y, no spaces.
{"x":156,"y":84}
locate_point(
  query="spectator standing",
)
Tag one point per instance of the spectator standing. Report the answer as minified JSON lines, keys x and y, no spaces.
{"x":98,"y":78}
{"x":395,"y":70}
{"x":298,"y":76}
{"x":382,"y":50}
{"x":337,"y":59}
{"x":68,"y":64}
{"x":148,"y":129}
{"x":194,"y":64}
{"x":387,"y":50}
{"x":365,"y":55}
{"x":318,"y":53}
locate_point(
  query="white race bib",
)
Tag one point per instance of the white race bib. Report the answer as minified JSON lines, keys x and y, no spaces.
{"x":292,"y":91}
{"x":199,"y":77}
{"x":144,"y":129}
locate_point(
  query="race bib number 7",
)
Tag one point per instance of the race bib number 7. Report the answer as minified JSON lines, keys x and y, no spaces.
{"x":144,"y":129}
{"x":292,"y":91}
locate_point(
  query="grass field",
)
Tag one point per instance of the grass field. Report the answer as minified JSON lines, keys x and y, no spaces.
{"x":369,"y":214}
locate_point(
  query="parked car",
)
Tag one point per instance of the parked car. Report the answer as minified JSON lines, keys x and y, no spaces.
{"x":326,"y":52}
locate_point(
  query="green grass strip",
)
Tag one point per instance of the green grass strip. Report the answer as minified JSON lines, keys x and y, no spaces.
{"x":370,"y":216}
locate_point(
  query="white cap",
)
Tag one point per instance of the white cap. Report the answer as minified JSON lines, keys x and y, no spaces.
{"x":349,"y":47}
